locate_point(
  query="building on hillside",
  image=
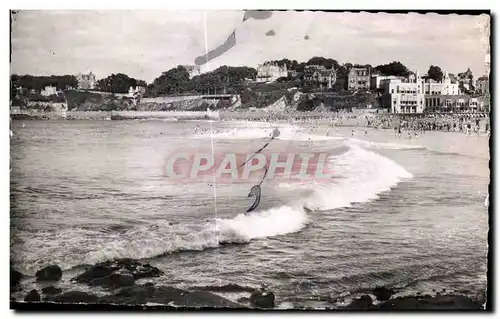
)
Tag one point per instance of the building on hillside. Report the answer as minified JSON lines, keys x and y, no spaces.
{"x":413,"y":94}
{"x":404,"y":95}
{"x":376,"y":80}
{"x":483,"y":85}
{"x":86,"y":81}
{"x":320,"y":76}
{"x":465,"y":81}
{"x":455,"y":103}
{"x":447,"y":86}
{"x":15,"y":110}
{"x":49,"y":90}
{"x":135,"y":93}
{"x":270,"y":72}
{"x":193,"y":70}
{"x":358,"y":79}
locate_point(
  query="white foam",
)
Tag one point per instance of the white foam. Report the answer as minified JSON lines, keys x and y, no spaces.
{"x":360,"y":175}
{"x":250,"y":132}
{"x":390,"y":146}
{"x":149,"y":241}
{"x":272,"y":222}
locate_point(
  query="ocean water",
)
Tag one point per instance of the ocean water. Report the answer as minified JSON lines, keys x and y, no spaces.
{"x":408,"y":213}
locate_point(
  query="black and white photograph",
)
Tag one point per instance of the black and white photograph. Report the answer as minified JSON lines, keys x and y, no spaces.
{"x":272,"y":160}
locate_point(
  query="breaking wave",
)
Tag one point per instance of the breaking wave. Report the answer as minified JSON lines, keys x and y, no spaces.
{"x":360,"y":175}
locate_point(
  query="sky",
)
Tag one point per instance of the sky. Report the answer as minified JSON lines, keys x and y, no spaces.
{"x":143,"y":44}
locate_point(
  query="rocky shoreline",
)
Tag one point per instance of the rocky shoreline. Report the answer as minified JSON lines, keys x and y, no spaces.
{"x":119,"y":279}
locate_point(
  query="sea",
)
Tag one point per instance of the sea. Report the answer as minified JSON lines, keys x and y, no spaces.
{"x":405,"y":212}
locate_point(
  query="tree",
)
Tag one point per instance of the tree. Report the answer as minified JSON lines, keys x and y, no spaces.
{"x":118,"y":83}
{"x":435,"y":73}
{"x":348,"y":66}
{"x":30,"y":82}
{"x":225,"y":79}
{"x":393,"y":68}
{"x":327,"y":63}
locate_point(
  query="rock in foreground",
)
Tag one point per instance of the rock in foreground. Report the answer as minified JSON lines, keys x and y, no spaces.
{"x":364,"y":302}
{"x":440,"y":302}
{"x":32,"y":296}
{"x":419,"y":302}
{"x":74,"y":297}
{"x":51,"y":290}
{"x":117,"y":273}
{"x":383,"y":293}
{"x":262,"y":299}
{"x":49,"y":273}
{"x":15,"y":277}
{"x":141,"y":295}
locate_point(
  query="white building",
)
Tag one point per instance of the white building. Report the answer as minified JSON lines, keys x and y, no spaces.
{"x":49,"y":90}
{"x":413,"y":94}
{"x":376,"y":80}
{"x":404,"y":95}
{"x":447,"y":86}
{"x":193,"y":70}
{"x":270,"y":72}
{"x":135,"y":93}
{"x":86,"y":81}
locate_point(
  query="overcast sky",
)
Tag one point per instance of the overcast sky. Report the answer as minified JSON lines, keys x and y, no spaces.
{"x":143,"y":44}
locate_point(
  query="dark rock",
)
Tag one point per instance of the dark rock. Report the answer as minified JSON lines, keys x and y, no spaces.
{"x":443,"y":302}
{"x":93,"y":273}
{"x":262,"y":299}
{"x":383,"y":293}
{"x":226,"y":288}
{"x":32,"y":296}
{"x":74,"y":297}
{"x":104,"y":270}
{"x":243,"y":300}
{"x":15,"y":277}
{"x":361,"y":303}
{"x":51,"y":290}
{"x":136,"y":295}
{"x":139,"y":295}
{"x":114,"y":280}
{"x":49,"y":273}
{"x":166,"y":294}
{"x":198,"y":299}
{"x":146,"y":271}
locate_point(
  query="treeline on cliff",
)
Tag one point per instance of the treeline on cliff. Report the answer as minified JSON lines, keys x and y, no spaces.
{"x":38,"y":83}
{"x":232,"y":80}
{"x":229,"y":80}
{"x":118,"y":83}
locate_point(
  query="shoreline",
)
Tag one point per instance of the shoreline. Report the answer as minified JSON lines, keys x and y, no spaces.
{"x":130,"y":284}
{"x":379,"y":121}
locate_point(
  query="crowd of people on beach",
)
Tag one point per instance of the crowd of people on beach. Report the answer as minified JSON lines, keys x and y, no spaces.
{"x":412,"y":125}
{"x":465,"y":123}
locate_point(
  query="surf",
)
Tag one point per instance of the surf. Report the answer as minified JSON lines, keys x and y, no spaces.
{"x":360,"y":176}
